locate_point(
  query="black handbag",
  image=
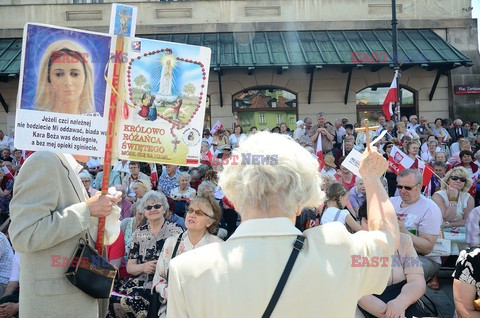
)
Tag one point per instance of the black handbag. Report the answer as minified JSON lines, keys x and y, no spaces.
{"x":91,"y":272}
{"x":155,"y":303}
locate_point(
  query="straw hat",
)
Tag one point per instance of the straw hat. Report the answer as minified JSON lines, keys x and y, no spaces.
{"x":330,"y":161}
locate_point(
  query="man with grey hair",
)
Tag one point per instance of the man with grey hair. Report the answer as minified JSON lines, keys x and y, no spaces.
{"x":412,"y":122}
{"x":269,"y":191}
{"x":457,"y":131}
{"x":309,"y":129}
{"x":423,"y":129}
{"x":323,"y":133}
{"x":418,"y":217}
{"x":381,"y":124}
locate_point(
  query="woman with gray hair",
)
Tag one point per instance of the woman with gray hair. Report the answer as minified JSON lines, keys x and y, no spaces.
{"x":86,"y":178}
{"x":428,"y":155}
{"x":275,"y":179}
{"x":147,"y":243}
{"x":183,"y":193}
{"x":201,"y":221}
{"x":206,"y":187}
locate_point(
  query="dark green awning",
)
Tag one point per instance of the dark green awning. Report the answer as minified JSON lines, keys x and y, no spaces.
{"x":10,"y":55}
{"x":321,"y":48}
{"x":364,"y":48}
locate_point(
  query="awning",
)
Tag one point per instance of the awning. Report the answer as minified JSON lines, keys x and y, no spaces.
{"x":363,"y":48}
{"x":313,"y":50}
{"x":10,"y":55}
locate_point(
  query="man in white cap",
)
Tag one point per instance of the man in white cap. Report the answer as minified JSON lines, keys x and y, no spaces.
{"x":299,"y":132}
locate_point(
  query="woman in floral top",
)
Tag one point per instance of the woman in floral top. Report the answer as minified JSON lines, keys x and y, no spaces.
{"x":201,"y":220}
{"x":147,"y":243}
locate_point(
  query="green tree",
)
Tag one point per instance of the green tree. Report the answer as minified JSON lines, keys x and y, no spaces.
{"x":189,"y":89}
{"x":140,"y":80}
{"x":147,"y":87}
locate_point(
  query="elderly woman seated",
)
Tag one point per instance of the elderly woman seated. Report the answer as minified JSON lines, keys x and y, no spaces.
{"x":147,"y":243}
{"x":405,"y":286}
{"x":201,"y":220}
{"x":454,"y":200}
{"x":466,"y":287}
{"x":183,"y":193}
{"x":140,"y":187}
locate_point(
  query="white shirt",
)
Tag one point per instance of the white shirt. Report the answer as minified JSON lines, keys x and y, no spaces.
{"x":5,"y":142}
{"x":330,"y":213}
{"x":94,"y":162}
{"x":423,"y":216}
{"x":234,"y":140}
{"x":15,"y":274}
{"x":340,"y":133}
{"x":122,"y":168}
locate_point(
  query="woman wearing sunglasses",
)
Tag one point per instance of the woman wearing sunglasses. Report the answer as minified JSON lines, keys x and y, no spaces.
{"x":455,"y":203}
{"x":147,"y":243}
{"x":201,"y":220}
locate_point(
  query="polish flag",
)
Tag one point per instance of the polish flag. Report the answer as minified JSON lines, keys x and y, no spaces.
{"x":218,"y":125}
{"x":8,"y":173}
{"x":319,"y":153}
{"x":208,"y":156}
{"x":391,"y":98}
{"x":427,"y":172}
{"x":154,"y":177}
{"x":398,"y":160}
{"x":25,"y":155}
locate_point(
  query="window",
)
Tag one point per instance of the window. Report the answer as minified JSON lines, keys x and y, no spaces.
{"x":262,"y":120}
{"x":369,"y":102}
{"x":265,"y":106}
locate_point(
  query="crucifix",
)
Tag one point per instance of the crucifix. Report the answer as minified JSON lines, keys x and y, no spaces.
{"x":366,"y":128}
{"x":175,"y":142}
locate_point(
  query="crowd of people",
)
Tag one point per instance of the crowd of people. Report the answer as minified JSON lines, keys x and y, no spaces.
{"x":187,"y":208}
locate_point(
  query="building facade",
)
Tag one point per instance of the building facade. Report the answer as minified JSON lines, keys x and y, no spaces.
{"x":280,"y":61}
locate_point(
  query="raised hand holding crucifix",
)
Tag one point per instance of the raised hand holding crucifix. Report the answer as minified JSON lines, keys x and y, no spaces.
{"x":366,"y":128}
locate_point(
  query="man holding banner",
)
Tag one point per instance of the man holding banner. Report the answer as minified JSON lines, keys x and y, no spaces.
{"x":47,"y":223}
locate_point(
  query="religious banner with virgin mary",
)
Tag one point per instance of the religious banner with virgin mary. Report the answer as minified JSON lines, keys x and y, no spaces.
{"x":163,"y":112}
{"x":62,"y":94}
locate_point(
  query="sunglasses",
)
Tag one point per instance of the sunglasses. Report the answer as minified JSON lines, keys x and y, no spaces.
{"x":198,"y":213}
{"x":156,"y":207}
{"x":455,"y":178}
{"x":400,"y":187}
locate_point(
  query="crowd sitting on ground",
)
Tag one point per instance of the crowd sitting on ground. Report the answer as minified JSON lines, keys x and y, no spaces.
{"x":187,"y":205}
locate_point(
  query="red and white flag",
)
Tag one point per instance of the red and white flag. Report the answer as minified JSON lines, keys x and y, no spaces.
{"x":319,"y":153}
{"x":154,"y":177}
{"x":206,"y":158}
{"x":427,"y":172}
{"x":25,"y":155}
{"x":391,"y":98}
{"x":8,"y":173}
{"x":218,"y":125}
{"x":398,"y":160}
